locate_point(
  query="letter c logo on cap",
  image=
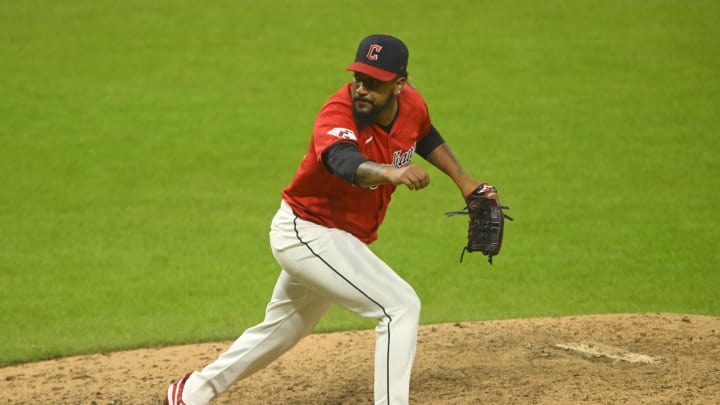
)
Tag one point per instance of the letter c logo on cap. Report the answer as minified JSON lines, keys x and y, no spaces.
{"x":373,"y":51}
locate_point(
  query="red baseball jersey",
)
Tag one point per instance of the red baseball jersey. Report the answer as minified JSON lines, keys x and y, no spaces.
{"x":317,"y":195}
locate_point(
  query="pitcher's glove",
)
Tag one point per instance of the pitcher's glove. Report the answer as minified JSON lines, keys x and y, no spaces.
{"x":487,"y":220}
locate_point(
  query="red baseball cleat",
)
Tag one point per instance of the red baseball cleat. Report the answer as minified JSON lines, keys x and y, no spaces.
{"x":174,"y":393}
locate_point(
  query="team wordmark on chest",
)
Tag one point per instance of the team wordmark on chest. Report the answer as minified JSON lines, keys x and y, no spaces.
{"x":402,"y":159}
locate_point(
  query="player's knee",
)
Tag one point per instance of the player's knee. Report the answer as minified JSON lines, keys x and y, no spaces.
{"x":417,"y":305}
{"x":411,"y":305}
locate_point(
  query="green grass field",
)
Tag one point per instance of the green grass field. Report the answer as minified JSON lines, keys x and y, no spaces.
{"x":144,"y":145}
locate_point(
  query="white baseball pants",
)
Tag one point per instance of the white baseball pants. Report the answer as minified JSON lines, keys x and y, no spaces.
{"x":322,"y":267}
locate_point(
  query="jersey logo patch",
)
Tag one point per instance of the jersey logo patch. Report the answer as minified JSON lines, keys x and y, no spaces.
{"x":343,"y":133}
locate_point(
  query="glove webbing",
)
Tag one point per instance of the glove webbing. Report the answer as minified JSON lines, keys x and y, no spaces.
{"x":465,"y":211}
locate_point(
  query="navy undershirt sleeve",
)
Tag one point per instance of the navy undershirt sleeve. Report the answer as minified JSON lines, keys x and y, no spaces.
{"x":343,"y":159}
{"x":429,"y":142}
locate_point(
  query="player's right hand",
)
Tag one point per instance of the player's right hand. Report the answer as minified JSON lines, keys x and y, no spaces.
{"x":412,"y":176}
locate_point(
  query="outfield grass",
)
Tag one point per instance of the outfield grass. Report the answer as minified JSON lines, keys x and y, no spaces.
{"x":144,"y":147}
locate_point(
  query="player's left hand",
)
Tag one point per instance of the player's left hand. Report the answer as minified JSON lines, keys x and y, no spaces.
{"x":487,"y":221}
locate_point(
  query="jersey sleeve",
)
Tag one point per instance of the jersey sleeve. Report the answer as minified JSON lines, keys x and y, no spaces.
{"x":426,"y":125}
{"x":334,"y":123}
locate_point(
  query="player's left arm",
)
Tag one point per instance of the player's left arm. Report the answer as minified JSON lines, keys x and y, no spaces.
{"x":434,"y":149}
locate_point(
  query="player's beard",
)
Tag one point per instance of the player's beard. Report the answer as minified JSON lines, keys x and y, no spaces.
{"x":364,"y":119}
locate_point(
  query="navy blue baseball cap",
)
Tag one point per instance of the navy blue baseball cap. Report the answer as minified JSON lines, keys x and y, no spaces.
{"x":381,"y":57}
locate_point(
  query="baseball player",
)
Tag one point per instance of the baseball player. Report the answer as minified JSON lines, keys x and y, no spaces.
{"x":361,"y":150}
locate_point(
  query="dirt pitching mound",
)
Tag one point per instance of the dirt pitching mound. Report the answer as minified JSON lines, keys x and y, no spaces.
{"x":605,"y":359}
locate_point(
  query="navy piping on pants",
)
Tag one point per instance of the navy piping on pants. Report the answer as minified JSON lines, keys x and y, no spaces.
{"x":387,"y":371}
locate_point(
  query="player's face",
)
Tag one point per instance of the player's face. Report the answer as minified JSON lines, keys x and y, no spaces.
{"x":371,"y":97}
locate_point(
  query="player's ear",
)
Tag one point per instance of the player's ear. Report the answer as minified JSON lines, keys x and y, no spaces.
{"x":400,"y":84}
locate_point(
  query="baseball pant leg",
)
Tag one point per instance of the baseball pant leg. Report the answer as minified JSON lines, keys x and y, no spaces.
{"x":322,"y":266}
{"x":292,"y":313}
{"x":343,"y":269}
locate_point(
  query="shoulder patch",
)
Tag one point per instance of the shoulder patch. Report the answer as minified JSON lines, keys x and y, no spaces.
{"x":343,"y":133}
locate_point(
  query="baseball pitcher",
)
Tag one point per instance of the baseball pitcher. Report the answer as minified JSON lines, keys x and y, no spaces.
{"x":363,"y":142}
